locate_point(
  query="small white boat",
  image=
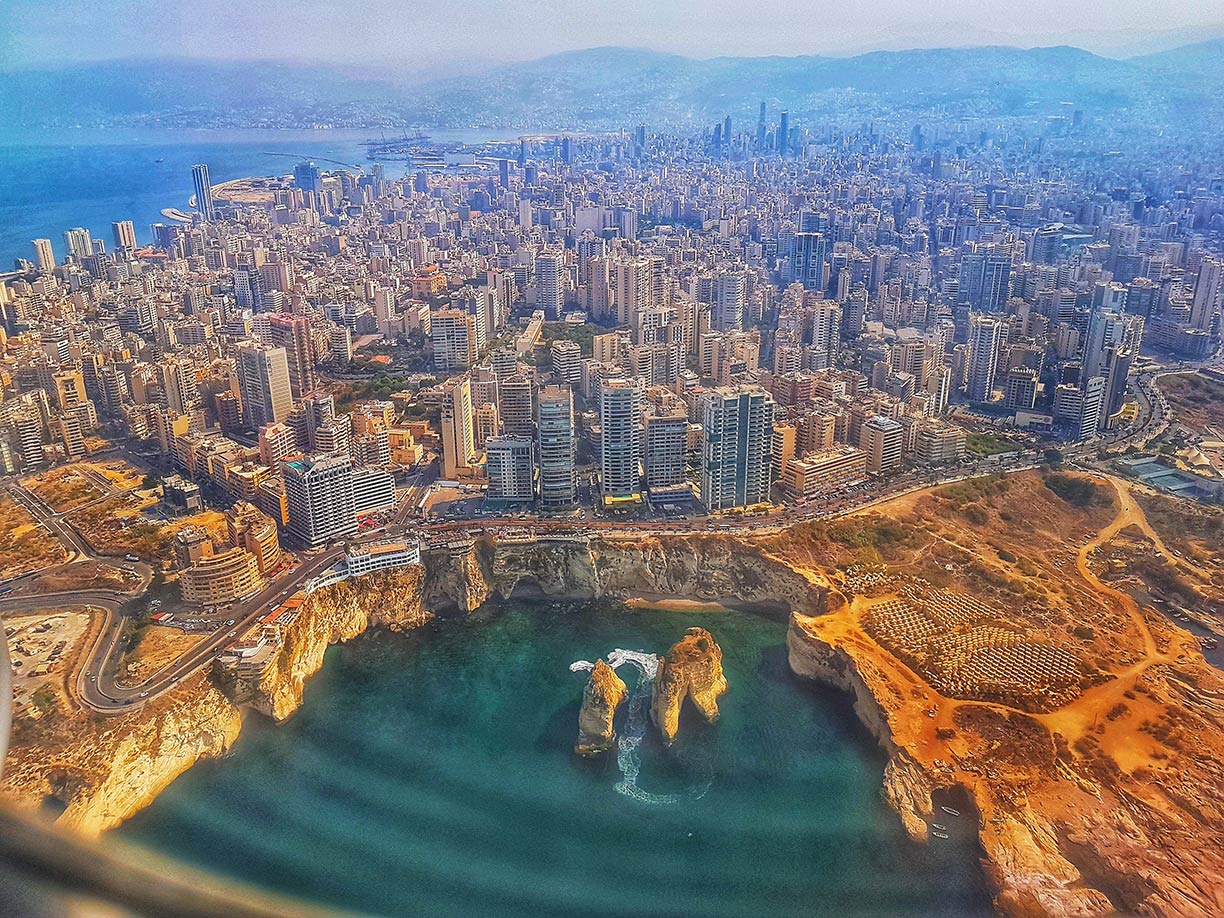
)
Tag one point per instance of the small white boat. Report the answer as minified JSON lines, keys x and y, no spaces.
{"x":950,"y":811}
{"x":940,"y":834}
{"x":936,"y":825}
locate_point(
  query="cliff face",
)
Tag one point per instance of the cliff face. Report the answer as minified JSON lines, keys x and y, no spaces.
{"x":458,"y":580}
{"x":338,"y":613}
{"x":605,"y":692}
{"x":104,"y":769}
{"x":101,"y":770}
{"x":1066,"y":828}
{"x":692,"y":669}
{"x":709,"y":568}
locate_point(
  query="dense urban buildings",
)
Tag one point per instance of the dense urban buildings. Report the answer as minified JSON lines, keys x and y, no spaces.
{"x":619,"y":322}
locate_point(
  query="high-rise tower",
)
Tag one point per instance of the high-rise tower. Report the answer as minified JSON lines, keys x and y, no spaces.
{"x":203,"y":191}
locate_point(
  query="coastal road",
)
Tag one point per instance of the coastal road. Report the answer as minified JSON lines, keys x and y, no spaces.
{"x":96,"y":683}
{"x":98,"y":689}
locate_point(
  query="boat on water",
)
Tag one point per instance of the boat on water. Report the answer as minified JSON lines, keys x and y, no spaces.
{"x":936,"y":825}
{"x":940,"y":834}
{"x":950,"y":811}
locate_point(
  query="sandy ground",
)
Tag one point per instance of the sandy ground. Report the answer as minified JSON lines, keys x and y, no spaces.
{"x":42,"y":647}
{"x":24,"y":545}
{"x":159,"y":647}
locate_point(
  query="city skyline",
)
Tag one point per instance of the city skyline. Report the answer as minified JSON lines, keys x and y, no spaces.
{"x":901,"y":374}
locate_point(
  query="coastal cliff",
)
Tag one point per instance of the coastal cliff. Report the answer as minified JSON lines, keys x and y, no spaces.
{"x":692,"y":669}
{"x":700,"y":567}
{"x":391,"y":600}
{"x":1065,"y":830}
{"x":605,"y":692}
{"x":100,"y":770}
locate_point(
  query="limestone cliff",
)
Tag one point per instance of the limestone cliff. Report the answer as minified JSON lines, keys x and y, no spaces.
{"x":101,"y":770}
{"x":104,"y":769}
{"x":692,"y":669}
{"x":458,"y":579}
{"x":1065,"y":829}
{"x":701,"y":567}
{"x":338,"y":613}
{"x":605,"y":692}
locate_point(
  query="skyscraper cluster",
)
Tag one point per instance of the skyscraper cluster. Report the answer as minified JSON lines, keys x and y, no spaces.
{"x":625,"y":320}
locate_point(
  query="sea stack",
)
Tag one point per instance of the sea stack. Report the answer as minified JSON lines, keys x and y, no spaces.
{"x":604,"y":693}
{"x":692,"y":669}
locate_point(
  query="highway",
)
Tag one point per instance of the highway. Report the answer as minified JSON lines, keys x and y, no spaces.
{"x":96,"y":683}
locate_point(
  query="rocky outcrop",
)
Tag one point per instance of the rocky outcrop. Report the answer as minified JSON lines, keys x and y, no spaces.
{"x":692,"y":669}
{"x":605,"y":692}
{"x":338,"y":613}
{"x":101,"y":770}
{"x":458,"y":580}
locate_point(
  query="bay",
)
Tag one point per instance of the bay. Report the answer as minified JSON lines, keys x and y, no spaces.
{"x":432,"y":773}
{"x":51,"y":181}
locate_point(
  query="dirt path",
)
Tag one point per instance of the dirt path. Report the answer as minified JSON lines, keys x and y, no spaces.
{"x":1083,"y":713}
{"x":1077,"y":717}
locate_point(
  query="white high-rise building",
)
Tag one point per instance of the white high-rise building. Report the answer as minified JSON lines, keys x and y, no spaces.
{"x":620,"y":418}
{"x":632,"y":282}
{"x":550,"y":283}
{"x":373,"y":490}
{"x":883,"y":440}
{"x":44,"y":255}
{"x":510,"y":469}
{"x":666,"y":451}
{"x":984,"y":334}
{"x":737,"y":458}
{"x":319,"y":495}
{"x":826,"y":335}
{"x":263,"y":384}
{"x":453,"y":335}
{"x":458,"y":433}
{"x":79,"y":243}
{"x":557,"y":448}
{"x":567,"y":360}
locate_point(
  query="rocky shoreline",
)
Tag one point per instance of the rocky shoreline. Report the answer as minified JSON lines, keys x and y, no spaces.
{"x":99,"y":771}
{"x":1062,"y":833}
{"x":1065,"y":830}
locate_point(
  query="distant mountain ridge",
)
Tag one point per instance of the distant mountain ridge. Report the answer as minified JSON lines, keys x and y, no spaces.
{"x":609,"y":87}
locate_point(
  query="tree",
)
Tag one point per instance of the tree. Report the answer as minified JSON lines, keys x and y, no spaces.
{"x":1053,"y":456}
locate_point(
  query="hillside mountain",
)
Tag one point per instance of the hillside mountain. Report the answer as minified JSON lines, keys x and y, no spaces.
{"x":1204,"y":60}
{"x":613,"y":87}
{"x":180,"y":89}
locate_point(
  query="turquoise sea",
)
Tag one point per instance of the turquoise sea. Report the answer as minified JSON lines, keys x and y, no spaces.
{"x":51,"y":181}
{"x":433,"y":774}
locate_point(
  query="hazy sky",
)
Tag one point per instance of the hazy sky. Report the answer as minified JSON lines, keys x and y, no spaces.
{"x":417,"y":34}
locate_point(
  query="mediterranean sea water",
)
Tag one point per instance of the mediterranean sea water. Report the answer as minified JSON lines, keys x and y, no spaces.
{"x":433,"y":774}
{"x":51,"y":181}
